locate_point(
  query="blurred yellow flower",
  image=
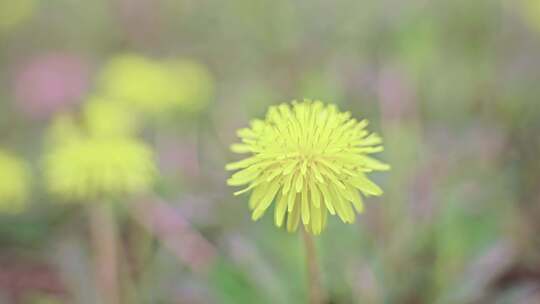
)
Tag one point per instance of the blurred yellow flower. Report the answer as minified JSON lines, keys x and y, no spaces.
{"x":102,"y":118}
{"x":63,"y":130}
{"x":13,"y":13}
{"x":97,"y":157}
{"x":193,"y":83}
{"x":531,"y":12}
{"x":157,"y":87}
{"x":310,"y":159}
{"x":108,"y":119}
{"x":15,"y":178}
{"x":91,"y":169}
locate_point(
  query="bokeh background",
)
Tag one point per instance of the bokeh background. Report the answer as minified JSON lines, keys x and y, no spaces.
{"x":453,"y":86}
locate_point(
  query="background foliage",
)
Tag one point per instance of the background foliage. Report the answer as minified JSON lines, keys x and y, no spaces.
{"x":451,"y":85}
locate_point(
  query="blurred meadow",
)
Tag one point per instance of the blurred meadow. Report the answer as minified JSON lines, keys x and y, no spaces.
{"x":116,"y":118}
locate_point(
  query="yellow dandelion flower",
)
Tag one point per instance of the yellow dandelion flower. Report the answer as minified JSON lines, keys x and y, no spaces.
{"x":90,"y":169}
{"x":108,"y":119}
{"x":193,"y":85}
{"x":15,"y":178}
{"x":63,"y":130}
{"x":101,"y":118}
{"x":531,"y":12}
{"x":13,"y":13}
{"x":157,"y":87}
{"x":97,"y":157}
{"x":139,"y":81}
{"x":310,"y":159}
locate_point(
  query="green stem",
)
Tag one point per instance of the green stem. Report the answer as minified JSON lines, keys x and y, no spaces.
{"x":103,"y":233}
{"x":316,"y":292}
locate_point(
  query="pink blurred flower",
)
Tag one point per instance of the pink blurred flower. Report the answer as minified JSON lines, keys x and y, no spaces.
{"x":50,"y":83}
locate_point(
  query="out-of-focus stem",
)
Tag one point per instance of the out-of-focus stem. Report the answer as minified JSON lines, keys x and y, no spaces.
{"x":316,"y":291}
{"x":104,"y":243}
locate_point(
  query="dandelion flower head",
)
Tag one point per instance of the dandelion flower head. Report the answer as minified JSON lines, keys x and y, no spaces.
{"x":92,"y":169}
{"x":98,"y":159}
{"x":531,"y":12}
{"x":193,"y":83}
{"x":157,"y":87}
{"x":15,"y":178}
{"x":13,"y":13}
{"x":310,"y":159}
{"x":101,"y":118}
{"x":108,"y":118}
